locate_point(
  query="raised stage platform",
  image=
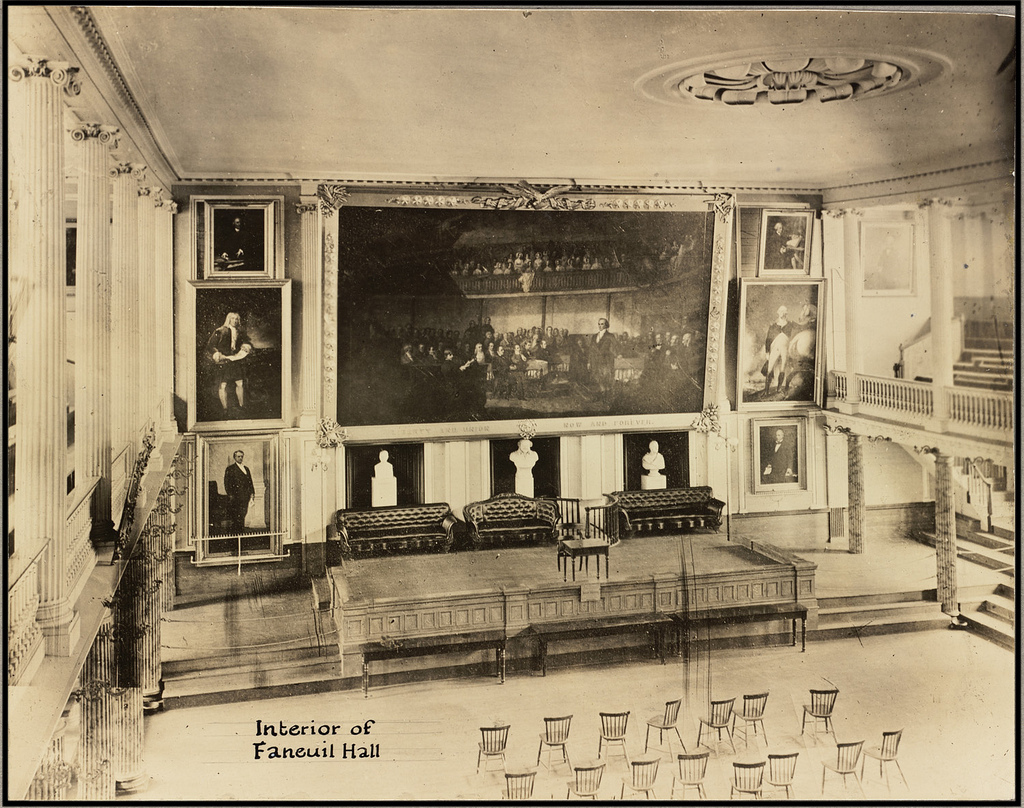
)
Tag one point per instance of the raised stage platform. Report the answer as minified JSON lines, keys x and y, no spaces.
{"x":401,"y":616}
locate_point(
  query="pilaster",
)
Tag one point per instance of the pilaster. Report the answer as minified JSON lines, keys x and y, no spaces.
{"x":856,"y":513}
{"x":310,"y":279}
{"x":39,"y":334}
{"x":146,"y":332}
{"x":331,"y":198}
{"x":854,"y":287}
{"x":164,"y":275}
{"x":92,"y":281}
{"x":940,"y":259}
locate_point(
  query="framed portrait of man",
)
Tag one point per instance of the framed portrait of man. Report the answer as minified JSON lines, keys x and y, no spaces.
{"x":779,"y":455}
{"x":241,"y":353}
{"x":240,"y":515}
{"x":237,"y":238}
{"x":887,"y":258}
{"x":785,"y":242}
{"x":779,"y":364}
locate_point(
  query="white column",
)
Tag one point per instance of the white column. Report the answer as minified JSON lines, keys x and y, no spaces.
{"x":92,"y":369}
{"x":940,"y":259}
{"x":332,"y":197}
{"x":37,"y":272}
{"x":146,"y":334}
{"x":854,"y":291}
{"x":311,"y":268}
{"x":164,"y":359}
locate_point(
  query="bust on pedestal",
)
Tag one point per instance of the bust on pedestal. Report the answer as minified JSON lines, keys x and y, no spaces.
{"x":525,"y":459}
{"x":383,"y":486}
{"x":653,"y":462}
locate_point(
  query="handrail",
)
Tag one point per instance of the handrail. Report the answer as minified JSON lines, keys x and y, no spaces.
{"x":980,"y":486}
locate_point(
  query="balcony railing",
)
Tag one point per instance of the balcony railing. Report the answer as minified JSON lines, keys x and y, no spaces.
{"x":24,"y":637}
{"x":968,"y":409}
{"x":81,"y":557}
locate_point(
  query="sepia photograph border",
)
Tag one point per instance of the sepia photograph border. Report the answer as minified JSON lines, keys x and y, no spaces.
{"x":757,"y":425}
{"x":192,"y":347}
{"x":743,"y":361}
{"x":868,"y":236}
{"x":202,"y":209}
{"x":275,"y":479}
{"x":808,"y":229}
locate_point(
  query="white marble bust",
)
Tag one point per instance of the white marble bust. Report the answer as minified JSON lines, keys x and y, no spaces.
{"x":653,"y":463}
{"x":383,"y":486}
{"x":524,"y":459}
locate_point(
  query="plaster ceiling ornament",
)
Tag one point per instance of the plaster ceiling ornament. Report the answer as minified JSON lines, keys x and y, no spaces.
{"x":526,"y":196}
{"x":790,"y":77}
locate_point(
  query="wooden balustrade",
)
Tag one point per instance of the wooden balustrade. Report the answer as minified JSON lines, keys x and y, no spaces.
{"x":81,"y":556}
{"x":911,"y":398}
{"x":24,"y":637}
{"x":979,"y":492}
{"x":980,"y":408}
{"x":837,"y":385}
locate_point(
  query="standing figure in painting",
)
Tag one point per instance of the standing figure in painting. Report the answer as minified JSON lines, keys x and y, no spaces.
{"x":775,"y":248}
{"x":776,"y":348}
{"x":229,"y":349}
{"x":240,"y":492}
{"x":654,"y":464}
{"x":602,"y":356}
{"x":778,"y":458}
{"x":383,"y":485}
{"x":524,"y":459}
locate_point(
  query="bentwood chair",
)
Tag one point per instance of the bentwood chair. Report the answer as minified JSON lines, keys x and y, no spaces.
{"x":820,"y":709}
{"x":556,"y":733}
{"x":613,"y":731}
{"x":781,"y":769}
{"x":747,"y":778}
{"x":519,"y":785}
{"x":665,"y":722}
{"x":718,"y":719}
{"x":492,"y":744}
{"x":586,"y":780}
{"x":692,"y":769}
{"x":885,"y":754}
{"x":644,"y":773}
{"x":847,"y":757}
{"x":750,"y":717}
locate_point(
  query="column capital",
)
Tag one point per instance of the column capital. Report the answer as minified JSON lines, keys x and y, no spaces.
{"x":724,"y":206}
{"x":167,"y":204}
{"x":128,"y":170}
{"x":307,"y":205}
{"x":841,"y":213}
{"x":60,"y":73}
{"x":939,"y":203}
{"x":331,"y":197}
{"x":107,"y":135}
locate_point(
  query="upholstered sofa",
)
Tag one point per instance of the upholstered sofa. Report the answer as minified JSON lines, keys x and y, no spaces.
{"x":665,"y":510}
{"x":396,"y":530}
{"x":507,"y":520}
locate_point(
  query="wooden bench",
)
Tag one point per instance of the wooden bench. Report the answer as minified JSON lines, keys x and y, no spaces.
{"x":438,"y":644}
{"x":753,"y":613}
{"x":656,"y":626}
{"x":396,"y":530}
{"x":665,"y":509}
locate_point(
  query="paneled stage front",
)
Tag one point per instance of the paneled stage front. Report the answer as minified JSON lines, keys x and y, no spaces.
{"x":509,"y":597}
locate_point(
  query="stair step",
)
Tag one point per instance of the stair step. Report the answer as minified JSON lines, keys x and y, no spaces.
{"x":288,"y":654}
{"x":991,"y":540}
{"x":991,"y":628}
{"x":884,"y":625}
{"x":222,"y":689}
{"x":1003,"y":608}
{"x":247,"y":677}
{"x":870,"y":614}
{"x":969,"y":551}
{"x":833,"y":604}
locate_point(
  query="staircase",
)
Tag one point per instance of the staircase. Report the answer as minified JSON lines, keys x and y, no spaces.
{"x":991,"y":614}
{"x":987,"y":360}
{"x":866,"y":615}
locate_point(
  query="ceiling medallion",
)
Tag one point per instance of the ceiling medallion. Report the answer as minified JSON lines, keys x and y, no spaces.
{"x":787,"y":78}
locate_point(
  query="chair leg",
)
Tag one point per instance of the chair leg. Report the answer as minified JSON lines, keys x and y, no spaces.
{"x":901,"y":774}
{"x":824,"y":771}
{"x":648,"y":738}
{"x":565,"y":757}
{"x":680,"y":737}
{"x":479,"y":754}
{"x":539,"y":748}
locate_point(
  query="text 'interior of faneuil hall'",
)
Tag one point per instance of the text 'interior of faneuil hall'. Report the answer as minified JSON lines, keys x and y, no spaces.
{"x":536,"y":403}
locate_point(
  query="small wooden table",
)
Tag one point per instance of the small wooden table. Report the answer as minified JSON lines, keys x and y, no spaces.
{"x":583,"y":549}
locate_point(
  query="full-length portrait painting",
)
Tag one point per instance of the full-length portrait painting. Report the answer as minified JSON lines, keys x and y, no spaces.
{"x":463,"y":315}
{"x":240,"y":357}
{"x":780,"y":331}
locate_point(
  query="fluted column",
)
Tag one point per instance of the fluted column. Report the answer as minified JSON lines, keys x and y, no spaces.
{"x":37,"y":280}
{"x":100,"y":722}
{"x":940,"y":259}
{"x":945,"y":535}
{"x":164,"y":361}
{"x":332,"y":197}
{"x":856,"y":512}
{"x":146,"y":333}
{"x":53,"y":778}
{"x":123,"y":315}
{"x":854,"y":292}
{"x":311,"y":269}
{"x":92,"y":283}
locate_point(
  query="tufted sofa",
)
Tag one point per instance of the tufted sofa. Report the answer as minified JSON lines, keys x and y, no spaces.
{"x":507,"y":520}
{"x":396,"y":530}
{"x":667,"y":509}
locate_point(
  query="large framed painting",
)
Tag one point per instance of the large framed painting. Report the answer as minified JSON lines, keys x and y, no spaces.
{"x":240,"y":496}
{"x":785,"y":242}
{"x":779,"y":454}
{"x":242,"y":355}
{"x":469,"y":316}
{"x":779,"y":364}
{"x":887,"y":255}
{"x":237,"y":238}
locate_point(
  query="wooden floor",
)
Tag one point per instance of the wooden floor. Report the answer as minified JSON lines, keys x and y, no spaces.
{"x":630,"y":559}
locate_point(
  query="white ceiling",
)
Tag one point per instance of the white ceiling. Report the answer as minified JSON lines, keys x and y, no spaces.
{"x":545,"y":93}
